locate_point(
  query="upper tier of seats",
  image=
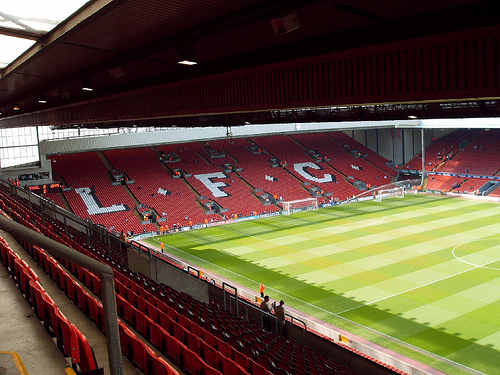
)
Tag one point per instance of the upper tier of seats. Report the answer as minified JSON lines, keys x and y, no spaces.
{"x":470,"y":152}
{"x":480,"y":157}
{"x":436,"y":152}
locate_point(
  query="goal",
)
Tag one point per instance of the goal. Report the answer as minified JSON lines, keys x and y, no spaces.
{"x":300,"y":205}
{"x":395,"y":192}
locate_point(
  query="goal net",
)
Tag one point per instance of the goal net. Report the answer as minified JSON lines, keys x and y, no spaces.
{"x":395,"y":192}
{"x":300,"y":205}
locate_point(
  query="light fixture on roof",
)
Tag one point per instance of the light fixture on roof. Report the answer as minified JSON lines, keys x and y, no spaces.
{"x":412,"y":117}
{"x":187,"y":57}
{"x":285,"y":24}
{"x":16,"y":107}
{"x":41,"y":99}
{"x":87,"y":85}
{"x":117,"y":72}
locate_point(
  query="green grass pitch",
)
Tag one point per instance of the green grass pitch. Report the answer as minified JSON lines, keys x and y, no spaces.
{"x":423,"y":270}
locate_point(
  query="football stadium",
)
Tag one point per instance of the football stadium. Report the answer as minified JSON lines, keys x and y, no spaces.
{"x":211,"y":187}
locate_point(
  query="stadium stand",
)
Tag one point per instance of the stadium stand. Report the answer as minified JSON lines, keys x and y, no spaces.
{"x":231,"y":193}
{"x":346,"y":159}
{"x":440,"y":183}
{"x":155,"y":187}
{"x":462,"y":152}
{"x":369,"y":155}
{"x":243,"y":177}
{"x":259,"y":173}
{"x":109,"y":205}
{"x":285,"y":148}
{"x":438,"y":150}
{"x":474,"y":158}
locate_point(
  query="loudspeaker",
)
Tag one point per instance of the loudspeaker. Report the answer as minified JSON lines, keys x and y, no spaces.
{"x":285,"y":24}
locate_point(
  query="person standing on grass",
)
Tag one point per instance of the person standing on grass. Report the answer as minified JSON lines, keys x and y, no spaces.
{"x":262,"y":288}
{"x":266,"y":308}
{"x":279,"y":311}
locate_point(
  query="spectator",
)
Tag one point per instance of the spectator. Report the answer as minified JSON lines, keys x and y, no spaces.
{"x":266,"y":308}
{"x":281,"y":316}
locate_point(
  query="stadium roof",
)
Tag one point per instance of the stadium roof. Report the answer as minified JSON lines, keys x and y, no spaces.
{"x":257,"y":62}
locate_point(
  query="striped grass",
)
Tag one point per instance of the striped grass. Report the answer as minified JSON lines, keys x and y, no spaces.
{"x":423,"y":270}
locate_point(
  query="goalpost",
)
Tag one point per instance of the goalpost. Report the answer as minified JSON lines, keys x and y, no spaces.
{"x":395,"y":192}
{"x":300,"y":205}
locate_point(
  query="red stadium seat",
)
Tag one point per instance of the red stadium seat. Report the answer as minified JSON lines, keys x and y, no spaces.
{"x":189,"y":361}
{"x":87,"y":358}
{"x":124,"y":309}
{"x":138,"y":320}
{"x":83,"y":299}
{"x":229,"y":367}
{"x":138,"y":353}
{"x":165,"y":322}
{"x":208,"y":370}
{"x":155,"y":365}
{"x":126,"y":340}
{"x":256,"y":369}
{"x":240,"y":358}
{"x":193,"y":342}
{"x":68,"y":334}
{"x":209,"y":354}
{"x":96,"y":313}
{"x":153,"y":332}
{"x":171,"y":346}
{"x":39,"y":303}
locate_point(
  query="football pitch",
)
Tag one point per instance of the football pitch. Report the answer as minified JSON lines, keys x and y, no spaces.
{"x":423,"y":271}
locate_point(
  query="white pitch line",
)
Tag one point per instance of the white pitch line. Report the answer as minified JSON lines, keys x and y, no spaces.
{"x":359,"y":226}
{"x":245,"y":234}
{"x":342,"y":226}
{"x":472,"y":264}
{"x":417,"y":287}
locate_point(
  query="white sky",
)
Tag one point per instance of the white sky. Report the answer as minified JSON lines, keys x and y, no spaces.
{"x":39,"y":15}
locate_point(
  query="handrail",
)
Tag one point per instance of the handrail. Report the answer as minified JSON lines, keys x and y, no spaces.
{"x":294,"y":318}
{"x":195,"y":270}
{"x":224,"y":285}
{"x":104,"y":271}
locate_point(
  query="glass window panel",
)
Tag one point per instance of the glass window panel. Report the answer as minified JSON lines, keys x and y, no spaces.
{"x":31,"y":15}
